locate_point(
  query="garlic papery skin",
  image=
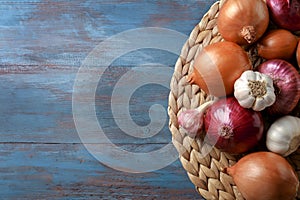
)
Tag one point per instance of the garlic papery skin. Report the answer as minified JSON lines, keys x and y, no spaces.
{"x":254,"y":90}
{"x":283,"y":136}
{"x":192,"y":119}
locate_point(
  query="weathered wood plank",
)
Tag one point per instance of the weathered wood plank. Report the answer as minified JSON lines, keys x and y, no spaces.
{"x":62,"y":33}
{"x":38,"y":107}
{"x":42,"y":45}
{"x":55,"y":171}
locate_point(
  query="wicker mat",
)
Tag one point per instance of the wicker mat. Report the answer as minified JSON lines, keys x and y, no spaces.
{"x":203,"y":163}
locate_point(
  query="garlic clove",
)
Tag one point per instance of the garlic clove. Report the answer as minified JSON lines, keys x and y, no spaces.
{"x":242,"y":93}
{"x":293,"y":146}
{"x":278,"y":147}
{"x":270,"y":97}
{"x":247,"y":102}
{"x":249,"y":75}
{"x":259,"y":104}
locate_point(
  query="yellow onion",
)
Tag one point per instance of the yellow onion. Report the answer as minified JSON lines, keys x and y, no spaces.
{"x":279,"y":43}
{"x":243,"y":22}
{"x":264,"y":176}
{"x":217,"y":67}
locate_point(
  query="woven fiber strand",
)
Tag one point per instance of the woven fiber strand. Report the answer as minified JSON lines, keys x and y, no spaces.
{"x":203,"y":163}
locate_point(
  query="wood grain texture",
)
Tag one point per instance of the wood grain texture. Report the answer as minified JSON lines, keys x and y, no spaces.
{"x":56,"y":171}
{"x":42,"y":45}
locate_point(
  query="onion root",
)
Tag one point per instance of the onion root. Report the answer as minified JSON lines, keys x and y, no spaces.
{"x":248,"y":33}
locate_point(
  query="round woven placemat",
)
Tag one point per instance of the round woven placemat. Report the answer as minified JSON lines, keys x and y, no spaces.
{"x":203,"y":163}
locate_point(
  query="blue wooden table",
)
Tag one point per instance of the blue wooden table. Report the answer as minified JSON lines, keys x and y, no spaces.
{"x":45,"y":48}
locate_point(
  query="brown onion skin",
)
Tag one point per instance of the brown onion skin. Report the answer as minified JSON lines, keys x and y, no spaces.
{"x":286,"y":80}
{"x":279,"y":43}
{"x":235,"y":15}
{"x":244,"y":127}
{"x":217,"y":67}
{"x":264,"y":176}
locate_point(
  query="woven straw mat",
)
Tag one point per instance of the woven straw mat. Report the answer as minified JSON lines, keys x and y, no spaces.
{"x":203,"y":163}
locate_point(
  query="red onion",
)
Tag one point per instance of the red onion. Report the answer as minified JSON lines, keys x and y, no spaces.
{"x":232,"y":128}
{"x":286,"y":81}
{"x":298,"y":54}
{"x":285,"y":13}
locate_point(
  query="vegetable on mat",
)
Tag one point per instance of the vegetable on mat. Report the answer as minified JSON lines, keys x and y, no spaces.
{"x":232,"y":128}
{"x":243,"y":22}
{"x":283,"y":136}
{"x":278,"y":43}
{"x":264,"y":176}
{"x":285,"y":13}
{"x":217,"y":66}
{"x":254,"y":90}
{"x":192,"y":119}
{"x":286,"y":81}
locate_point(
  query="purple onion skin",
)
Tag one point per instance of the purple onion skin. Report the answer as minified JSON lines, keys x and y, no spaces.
{"x":285,"y":13}
{"x":286,"y":81}
{"x":243,"y":127}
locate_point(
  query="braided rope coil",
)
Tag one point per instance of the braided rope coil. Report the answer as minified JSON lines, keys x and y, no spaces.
{"x":203,"y":163}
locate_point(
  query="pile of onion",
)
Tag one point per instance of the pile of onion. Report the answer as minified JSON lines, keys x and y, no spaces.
{"x":233,"y":128}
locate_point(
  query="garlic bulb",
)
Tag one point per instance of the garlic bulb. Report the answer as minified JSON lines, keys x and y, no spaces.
{"x":254,"y":90}
{"x":283,"y":136}
{"x":192,"y":120}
